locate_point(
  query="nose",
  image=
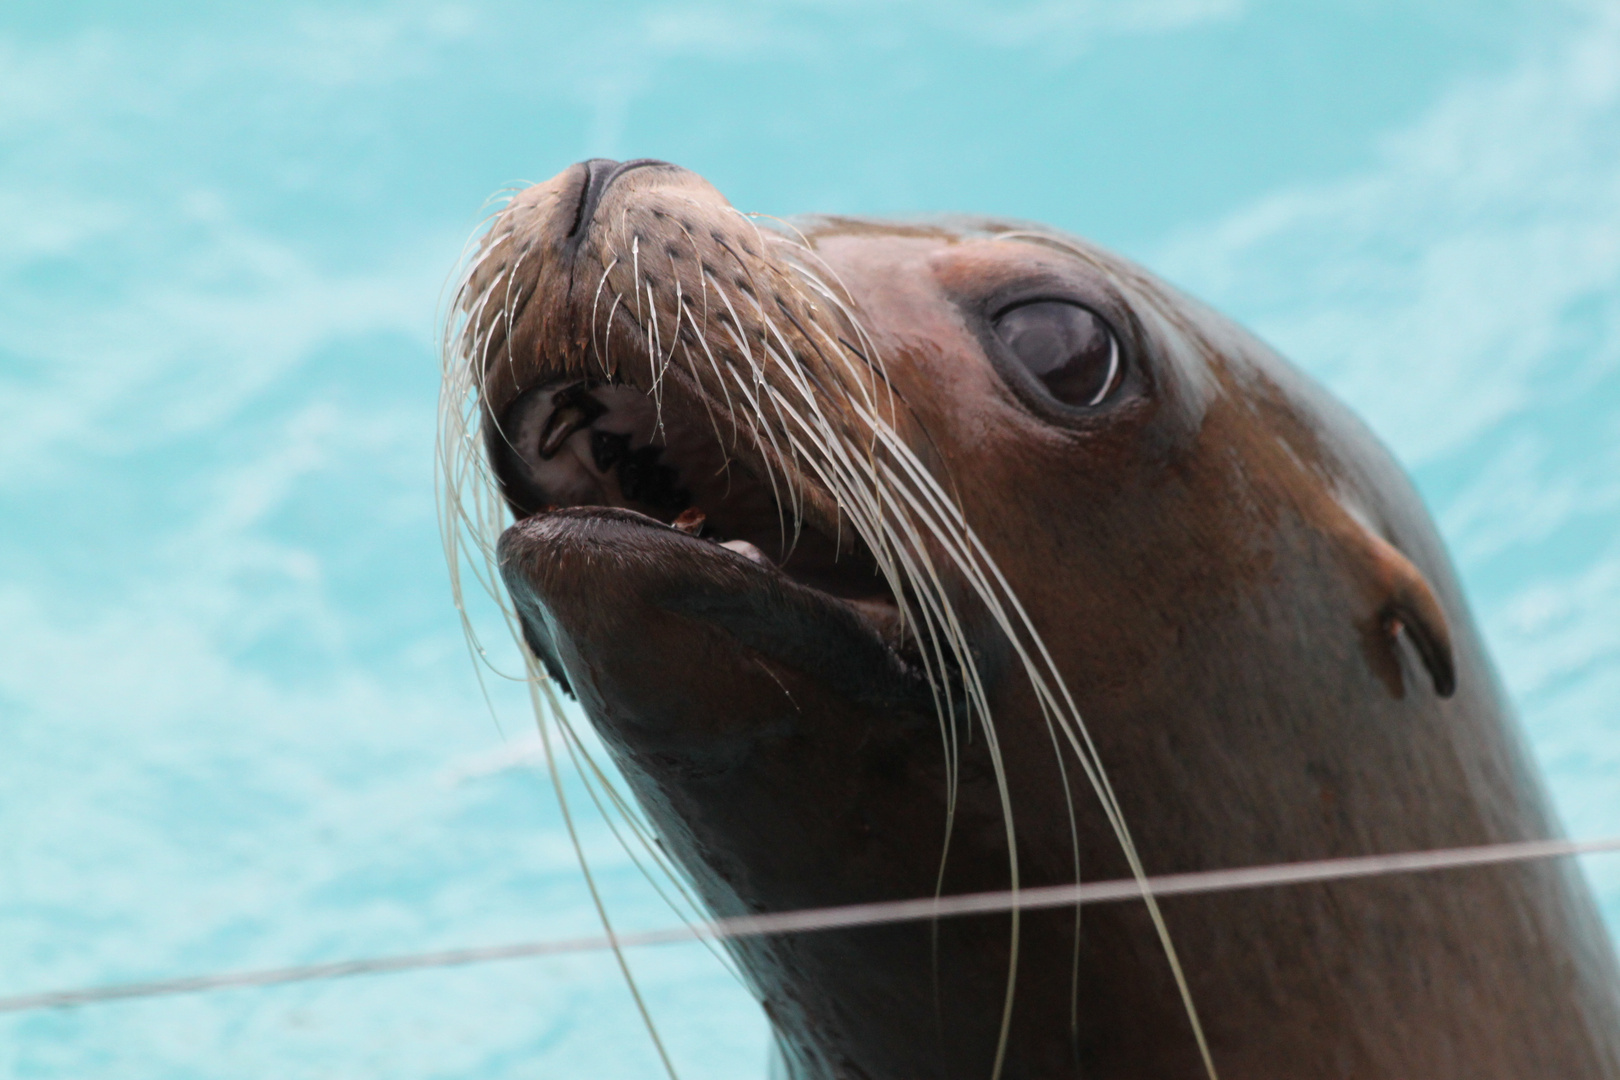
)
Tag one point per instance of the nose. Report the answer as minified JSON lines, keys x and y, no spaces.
{"x":599,"y":173}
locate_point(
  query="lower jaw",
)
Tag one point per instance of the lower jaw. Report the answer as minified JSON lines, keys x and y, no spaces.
{"x":596,"y":575}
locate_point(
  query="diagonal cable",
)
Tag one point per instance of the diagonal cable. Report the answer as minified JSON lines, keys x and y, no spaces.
{"x":852,"y":915}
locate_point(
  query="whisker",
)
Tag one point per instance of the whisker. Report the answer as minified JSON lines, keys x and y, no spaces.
{"x":596,"y":299}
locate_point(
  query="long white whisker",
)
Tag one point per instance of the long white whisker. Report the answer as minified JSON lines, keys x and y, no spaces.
{"x":596,"y":299}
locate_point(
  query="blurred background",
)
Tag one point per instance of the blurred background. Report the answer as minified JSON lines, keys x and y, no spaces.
{"x":238,"y":724}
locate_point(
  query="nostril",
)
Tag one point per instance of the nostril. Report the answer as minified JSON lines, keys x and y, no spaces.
{"x":599,"y":174}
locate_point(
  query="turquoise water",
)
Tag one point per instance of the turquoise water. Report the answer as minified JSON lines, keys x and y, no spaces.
{"x":238,"y":727}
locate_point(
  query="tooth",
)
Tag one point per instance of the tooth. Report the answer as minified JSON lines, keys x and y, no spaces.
{"x":747,"y":551}
{"x":572,"y":408}
{"x":690,"y":521}
{"x":563,"y":422}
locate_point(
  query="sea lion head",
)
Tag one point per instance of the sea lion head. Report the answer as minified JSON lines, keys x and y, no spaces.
{"x":894,"y":558}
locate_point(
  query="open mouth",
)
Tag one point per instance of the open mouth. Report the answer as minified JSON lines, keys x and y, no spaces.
{"x":589,"y":444}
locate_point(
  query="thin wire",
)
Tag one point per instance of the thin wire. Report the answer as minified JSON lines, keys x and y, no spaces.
{"x":813,"y":919}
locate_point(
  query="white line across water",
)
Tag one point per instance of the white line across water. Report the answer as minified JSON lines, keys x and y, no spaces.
{"x":798,"y":922}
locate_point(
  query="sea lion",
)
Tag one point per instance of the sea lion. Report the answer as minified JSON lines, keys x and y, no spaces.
{"x":890,"y":559}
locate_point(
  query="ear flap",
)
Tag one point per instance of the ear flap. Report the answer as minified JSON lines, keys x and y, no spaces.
{"x":1401,"y":597}
{"x":1412,"y":604}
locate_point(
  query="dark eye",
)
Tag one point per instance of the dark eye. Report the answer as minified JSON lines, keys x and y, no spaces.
{"x":1067,"y":347}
